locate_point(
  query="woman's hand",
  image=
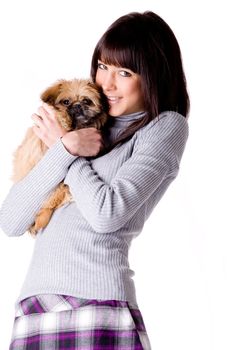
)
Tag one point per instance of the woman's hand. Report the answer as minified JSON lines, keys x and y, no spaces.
{"x":86,"y":142}
{"x":46,"y":125}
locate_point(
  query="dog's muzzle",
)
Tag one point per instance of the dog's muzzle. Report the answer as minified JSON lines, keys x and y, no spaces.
{"x":75,"y":110}
{"x":77,"y":115}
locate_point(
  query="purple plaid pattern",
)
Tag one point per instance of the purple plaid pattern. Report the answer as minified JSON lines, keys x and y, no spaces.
{"x":51,"y":322}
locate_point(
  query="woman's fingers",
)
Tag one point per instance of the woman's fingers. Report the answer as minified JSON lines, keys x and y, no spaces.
{"x":45,"y":115}
{"x":47,"y":127}
{"x":38,"y":121}
{"x":47,"y":111}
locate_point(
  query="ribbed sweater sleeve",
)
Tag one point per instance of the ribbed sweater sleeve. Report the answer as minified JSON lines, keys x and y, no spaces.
{"x":156,"y":156}
{"x":26,"y":196}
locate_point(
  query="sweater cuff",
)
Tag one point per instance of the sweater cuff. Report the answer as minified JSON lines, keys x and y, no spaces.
{"x":59,"y":152}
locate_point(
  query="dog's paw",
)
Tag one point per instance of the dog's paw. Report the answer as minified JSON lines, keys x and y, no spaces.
{"x":32,"y":230}
{"x":41,"y":221}
{"x":42,"y":218}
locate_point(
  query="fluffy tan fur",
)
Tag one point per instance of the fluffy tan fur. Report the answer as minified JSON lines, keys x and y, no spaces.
{"x":79,"y":103}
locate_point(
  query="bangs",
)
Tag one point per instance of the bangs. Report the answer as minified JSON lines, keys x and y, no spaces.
{"x":121,"y":50}
{"x":115,"y":56}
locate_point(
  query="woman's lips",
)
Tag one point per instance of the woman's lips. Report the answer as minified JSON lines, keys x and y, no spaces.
{"x":113,"y":99}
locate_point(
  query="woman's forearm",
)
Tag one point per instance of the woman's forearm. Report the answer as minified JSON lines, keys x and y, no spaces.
{"x":26,"y":196}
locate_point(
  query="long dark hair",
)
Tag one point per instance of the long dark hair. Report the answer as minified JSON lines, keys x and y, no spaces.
{"x":145,"y":44}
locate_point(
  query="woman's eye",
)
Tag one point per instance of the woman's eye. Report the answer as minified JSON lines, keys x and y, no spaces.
{"x":101,"y":66}
{"x":65,"y":102}
{"x":124,"y":73}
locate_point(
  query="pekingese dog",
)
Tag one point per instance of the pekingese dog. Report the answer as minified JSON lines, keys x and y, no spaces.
{"x":79,"y":104}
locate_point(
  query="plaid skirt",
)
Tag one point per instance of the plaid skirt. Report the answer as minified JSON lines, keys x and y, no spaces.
{"x":51,"y":322}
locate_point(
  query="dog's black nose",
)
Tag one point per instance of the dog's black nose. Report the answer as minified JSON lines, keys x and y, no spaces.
{"x":77,"y":115}
{"x":75,"y":110}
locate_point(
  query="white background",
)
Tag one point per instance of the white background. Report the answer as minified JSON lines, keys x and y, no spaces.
{"x":183,"y":259}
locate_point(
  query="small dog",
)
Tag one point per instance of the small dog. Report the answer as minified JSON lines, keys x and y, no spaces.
{"x":79,"y":104}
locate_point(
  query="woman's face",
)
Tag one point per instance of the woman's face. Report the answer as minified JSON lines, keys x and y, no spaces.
{"x":122,"y":88}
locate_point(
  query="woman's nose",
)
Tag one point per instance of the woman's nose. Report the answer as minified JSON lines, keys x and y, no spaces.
{"x":109,"y":82}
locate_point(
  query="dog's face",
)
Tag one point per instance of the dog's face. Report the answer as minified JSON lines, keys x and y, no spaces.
{"x":79,"y":101}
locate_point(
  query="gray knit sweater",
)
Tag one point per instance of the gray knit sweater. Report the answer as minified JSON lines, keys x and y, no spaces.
{"x":83,"y":251}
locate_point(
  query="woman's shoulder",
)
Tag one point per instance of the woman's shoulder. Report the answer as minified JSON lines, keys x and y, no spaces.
{"x":165,"y":123}
{"x":168,"y":132}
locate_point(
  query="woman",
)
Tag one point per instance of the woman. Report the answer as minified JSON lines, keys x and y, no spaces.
{"x":79,"y":289}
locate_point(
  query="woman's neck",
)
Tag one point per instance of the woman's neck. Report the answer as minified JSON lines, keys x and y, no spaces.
{"x":117,"y":125}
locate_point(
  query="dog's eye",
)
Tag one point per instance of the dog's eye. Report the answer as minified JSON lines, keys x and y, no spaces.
{"x":65,"y":102}
{"x":87,"y":101}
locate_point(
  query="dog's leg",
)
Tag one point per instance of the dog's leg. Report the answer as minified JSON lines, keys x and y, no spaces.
{"x":27,"y":155}
{"x":60,"y":196}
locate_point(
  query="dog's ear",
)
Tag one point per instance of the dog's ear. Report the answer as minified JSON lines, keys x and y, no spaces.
{"x":91,"y":83}
{"x":50,"y":94}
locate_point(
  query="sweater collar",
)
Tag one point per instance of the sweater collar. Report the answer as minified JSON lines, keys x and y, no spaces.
{"x":119,"y":124}
{"x":123,"y":121}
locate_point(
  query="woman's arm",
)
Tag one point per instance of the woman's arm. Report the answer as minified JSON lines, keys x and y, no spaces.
{"x":26,"y":196}
{"x":154,"y":163}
